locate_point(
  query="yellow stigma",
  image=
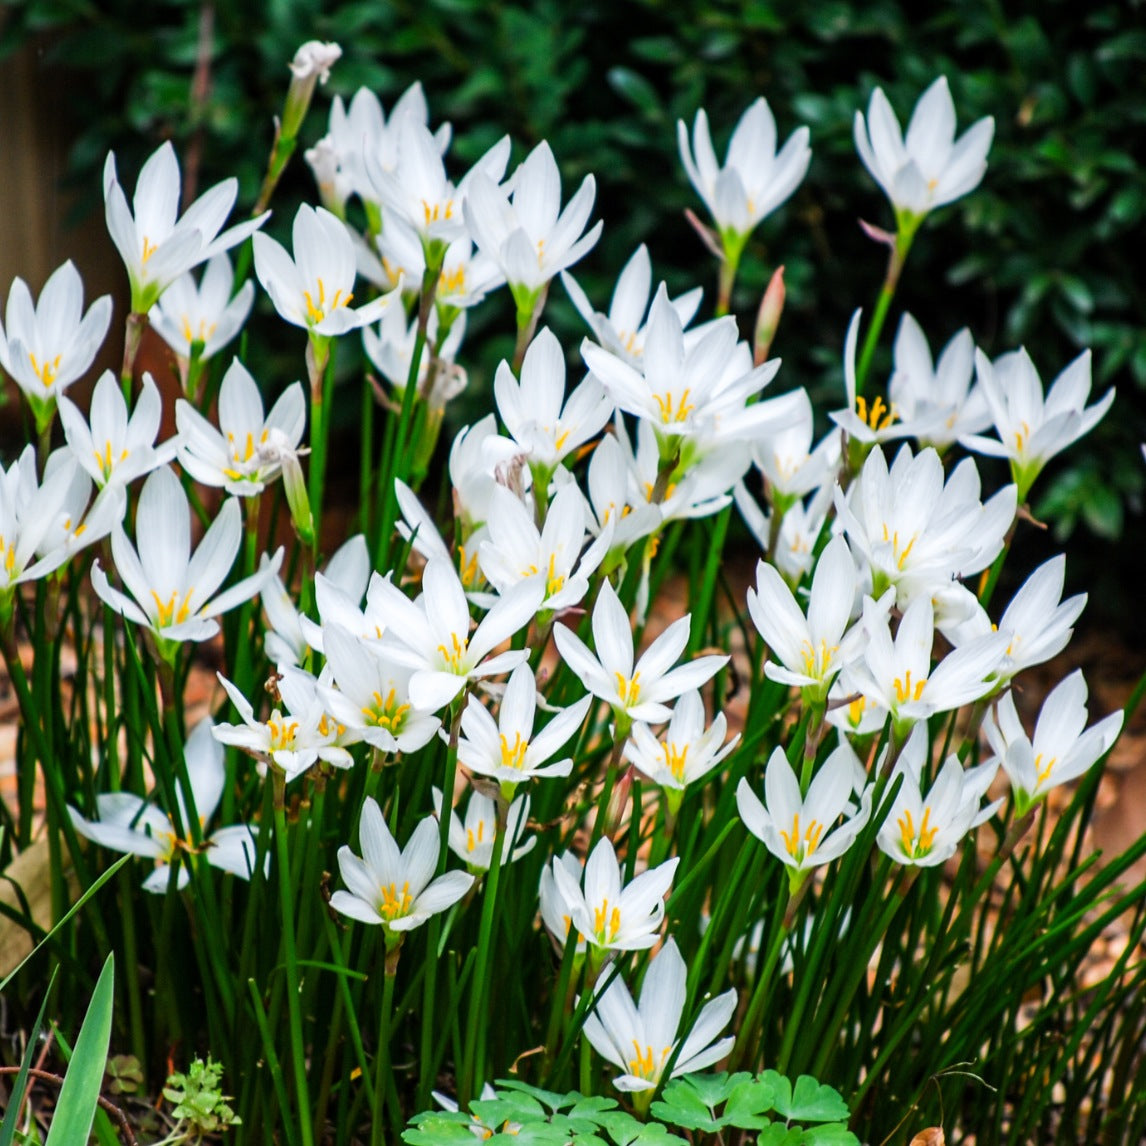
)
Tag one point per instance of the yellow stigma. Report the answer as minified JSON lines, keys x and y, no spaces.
{"x":917,"y":844}
{"x":438,"y":212}
{"x":555,"y":581}
{"x":675,"y":760}
{"x":172,"y":611}
{"x":395,"y":903}
{"x":106,"y":462}
{"x":1022,"y":437}
{"x":453,"y":656}
{"x":856,"y":710}
{"x":317,"y":311}
{"x":452,"y":282}
{"x":817,"y":663}
{"x":513,"y":755}
{"x":629,"y":691}
{"x":665,"y":406}
{"x":386,"y":713}
{"x":1043,"y":771}
{"x":48,"y":372}
{"x":800,"y":847}
{"x":472,"y":841}
{"x":645,"y":1065}
{"x":879,"y":417}
{"x":900,"y":555}
{"x":282,"y":733}
{"x":606,"y":923}
{"x":149,"y":249}
{"x":905,"y":690}
{"x":467,"y":567}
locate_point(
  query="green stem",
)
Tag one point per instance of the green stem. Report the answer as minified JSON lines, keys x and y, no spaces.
{"x":320,"y":365}
{"x":527,"y":319}
{"x":903,"y":240}
{"x":132,"y":337}
{"x":286,"y":904}
{"x":382,"y":1055}
{"x":761,"y":988}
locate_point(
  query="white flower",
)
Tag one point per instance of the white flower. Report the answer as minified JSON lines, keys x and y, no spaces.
{"x":1032,"y":430}
{"x":754,"y":180}
{"x":206,"y":314}
{"x":115,"y":449}
{"x":556,"y":910}
{"x":169,"y":590}
{"x":1062,"y":748}
{"x":156,"y":246}
{"x":811,"y":650}
{"x":46,"y":346}
{"x":391,"y":887}
{"x":508,"y":750}
{"x":294,"y":741}
{"x":314,"y":289}
{"x":640,"y":1039}
{"x":29,"y":509}
{"x":76,"y":524}
{"x":637,"y":693}
{"x":787,"y":459}
{"x":936,"y":402}
{"x":373,"y":699}
{"x":245,"y":454}
{"x":686,"y":752}
{"x":928,"y":167}
{"x":314,"y":59}
{"x":610,"y":917}
{"x":526,"y":232}
{"x":927,"y":830}
{"x":862,"y":423}
{"x":918,"y":531}
{"x":622,"y":330}
{"x":432,"y":635}
{"x":128,"y":823}
{"x":419,"y":191}
{"x":517,"y":551}
{"x":806,"y":831}
{"x":390,"y":348}
{"x":547,"y":427}
{"x":472,"y":841}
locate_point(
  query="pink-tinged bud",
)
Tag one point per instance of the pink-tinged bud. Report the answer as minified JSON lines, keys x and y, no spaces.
{"x":768,"y":316}
{"x":877,"y":234}
{"x":707,"y":235}
{"x":619,"y":801}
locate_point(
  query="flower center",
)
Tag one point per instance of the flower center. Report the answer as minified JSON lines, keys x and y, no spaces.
{"x":555,"y":581}
{"x":202,"y":334}
{"x":467,"y":567}
{"x":453,"y":656}
{"x":395,"y":903}
{"x":282,"y":732}
{"x":606,"y":923}
{"x":917,"y":844}
{"x":106,"y":462}
{"x":798,"y":846}
{"x":149,"y":249}
{"x":645,"y":1065}
{"x":472,"y":838}
{"x":438,"y":212}
{"x":900,"y":556}
{"x":1043,"y":771}
{"x":48,"y":371}
{"x":173,"y":611}
{"x":818,"y":661}
{"x":387,"y":714}
{"x":905,"y":690}
{"x":513,"y":755}
{"x":628,"y":689}
{"x":675,"y":760}
{"x":317,"y":311}
{"x":665,"y":405}
{"x":879,"y":417}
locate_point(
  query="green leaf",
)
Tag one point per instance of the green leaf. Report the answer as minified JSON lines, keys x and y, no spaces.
{"x":16,"y":1098}
{"x":777,"y":1134}
{"x":749,"y":1102}
{"x":812,"y":1101}
{"x":76,"y":1107}
{"x":683,"y":1106}
{"x":830,"y":1134}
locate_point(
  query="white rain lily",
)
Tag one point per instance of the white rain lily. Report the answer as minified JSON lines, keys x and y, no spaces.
{"x":507,"y":750}
{"x":372,"y":700}
{"x":418,"y":527}
{"x":697,"y":389}
{"x":293,"y":741}
{"x":754,"y":180}
{"x":616,"y":501}
{"x":338,"y":160}
{"x":917,"y":528}
{"x":418,"y":190}
{"x":29,"y":509}
{"x":156,"y":245}
{"x":1062,"y":748}
{"x":556,"y":910}
{"x":203,"y":315}
{"x":115,"y":449}
{"x":390,"y":348}
{"x":46,"y":346}
{"x":76,"y":524}
{"x":622,"y":331}
{"x":516,"y":550}
{"x":1031,"y":429}
{"x":926,"y":830}
{"x":810,"y":650}
{"x":850,"y":710}
{"x":936,"y":402}
{"x":1038,"y":622}
{"x":790,"y":464}
{"x":805,"y":831}
{"x":395,"y":888}
{"x":475,"y":456}
{"x":244,"y":455}
{"x":687,"y":751}
{"x":128,"y":823}
{"x":928,"y":167}
{"x":315,"y":288}
{"x":545,"y":425}
{"x":612,"y":917}
{"x":897,"y":674}
{"x":348,"y":570}
{"x":862,"y":423}
{"x":432,"y":635}
{"x":525,"y":231}
{"x":472,"y":840}
{"x":634,"y":692}
{"x":640,"y":1039}
{"x":171,"y":591}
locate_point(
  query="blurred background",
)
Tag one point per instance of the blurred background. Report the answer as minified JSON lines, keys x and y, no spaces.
{"x":1046,"y":253}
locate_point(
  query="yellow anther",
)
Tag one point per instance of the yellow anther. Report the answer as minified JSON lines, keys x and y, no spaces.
{"x":386,"y":713}
{"x":665,"y":405}
{"x":395,"y":903}
{"x":917,"y":844}
{"x":675,"y":760}
{"x":644,"y":1064}
{"x":453,"y":656}
{"x":800,"y":847}
{"x":472,"y":840}
{"x":149,"y":249}
{"x":172,"y":611}
{"x":467,"y":567}
{"x":606,"y":922}
{"x":1043,"y":771}
{"x":879,"y":417}
{"x":629,"y":691}
{"x":905,"y":690}
{"x":555,"y":581}
{"x":48,"y":371}
{"x":282,"y":732}
{"x":513,"y":755}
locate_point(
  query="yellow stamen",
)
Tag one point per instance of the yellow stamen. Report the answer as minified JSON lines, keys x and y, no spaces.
{"x":453,"y":656}
{"x":905,"y":690}
{"x":665,"y":403}
{"x":675,"y":759}
{"x":513,"y":755}
{"x":917,"y":844}
{"x":644,"y":1065}
{"x":1043,"y":771}
{"x":169,"y":612}
{"x":387,"y":714}
{"x":800,"y":847}
{"x":149,"y":249}
{"x":606,"y":923}
{"x":471,"y":842}
{"x":282,"y":733}
{"x":395,"y":903}
{"x":629,"y":690}
{"x":879,"y":417}
{"x":467,"y":567}
{"x":48,"y":372}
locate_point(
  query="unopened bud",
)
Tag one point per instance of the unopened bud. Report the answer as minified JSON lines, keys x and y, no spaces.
{"x":768,"y":316}
{"x":297,"y":499}
{"x":311,"y":65}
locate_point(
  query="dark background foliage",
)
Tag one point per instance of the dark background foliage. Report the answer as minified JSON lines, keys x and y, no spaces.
{"x":1043,"y":254}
